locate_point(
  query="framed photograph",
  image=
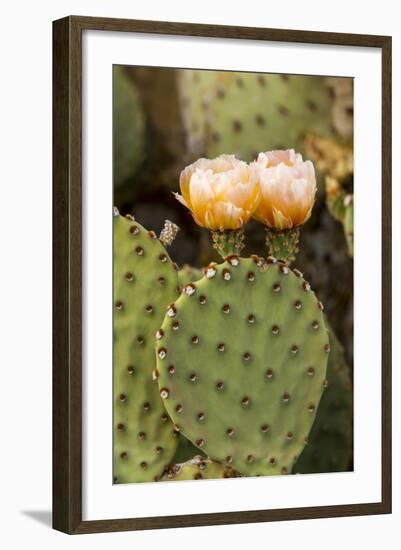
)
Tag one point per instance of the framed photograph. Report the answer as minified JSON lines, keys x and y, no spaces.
{"x":222,"y":275}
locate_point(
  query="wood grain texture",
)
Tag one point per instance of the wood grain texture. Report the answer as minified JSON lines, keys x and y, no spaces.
{"x":386,"y":274}
{"x":67,"y":274}
{"x":67,"y":277}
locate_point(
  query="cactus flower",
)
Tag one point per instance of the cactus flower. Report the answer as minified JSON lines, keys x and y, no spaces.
{"x":287,"y":186}
{"x":222,"y":193}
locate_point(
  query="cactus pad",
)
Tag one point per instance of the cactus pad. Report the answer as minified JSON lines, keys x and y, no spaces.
{"x":128,"y":128}
{"x":330,"y":447}
{"x":241,"y":364}
{"x":188,"y":274}
{"x":145,"y":281}
{"x":243,"y":113}
{"x":198,"y":468}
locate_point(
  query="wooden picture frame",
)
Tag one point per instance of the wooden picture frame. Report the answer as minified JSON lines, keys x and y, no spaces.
{"x":67,"y":273}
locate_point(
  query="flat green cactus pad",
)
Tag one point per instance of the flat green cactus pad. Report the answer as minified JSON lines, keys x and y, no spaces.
{"x":145,"y":281}
{"x":129,"y":127}
{"x":188,"y":274}
{"x":244,"y":113}
{"x":198,"y":468}
{"x":241,"y":359}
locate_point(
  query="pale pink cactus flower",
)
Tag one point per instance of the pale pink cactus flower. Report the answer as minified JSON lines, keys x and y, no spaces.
{"x":221,"y":193}
{"x":287,"y":186}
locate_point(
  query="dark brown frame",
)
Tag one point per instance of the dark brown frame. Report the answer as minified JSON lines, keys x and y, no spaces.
{"x":67,"y":280}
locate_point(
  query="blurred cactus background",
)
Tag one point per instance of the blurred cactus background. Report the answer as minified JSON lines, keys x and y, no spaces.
{"x":165,"y":119}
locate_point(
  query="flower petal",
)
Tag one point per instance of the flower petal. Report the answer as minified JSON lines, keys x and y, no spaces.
{"x":288,"y":188}
{"x":181,"y":199}
{"x":245,"y":195}
{"x":281,"y":221}
{"x":224,"y":215}
{"x":201,"y":195}
{"x":222,"y":193}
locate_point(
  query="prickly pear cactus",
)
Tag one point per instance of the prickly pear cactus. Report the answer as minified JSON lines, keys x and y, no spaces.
{"x":341,"y":206}
{"x":241,"y":359}
{"x":198,"y":468}
{"x":244,"y":113}
{"x":330,"y":447}
{"x":342,"y":91}
{"x":145,"y":281}
{"x":185,"y":450}
{"x":128,"y":128}
{"x":188,"y":274}
{"x":348,"y":223}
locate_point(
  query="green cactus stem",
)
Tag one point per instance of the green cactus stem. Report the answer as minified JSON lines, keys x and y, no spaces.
{"x":242,"y":363}
{"x":341,"y":206}
{"x":198,"y":467}
{"x":188,"y":274}
{"x":129,"y":129}
{"x":348,"y":223}
{"x":283,"y":244}
{"x":145,"y":282}
{"x":229,"y":242}
{"x":330,"y":445}
{"x":246,"y":112}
